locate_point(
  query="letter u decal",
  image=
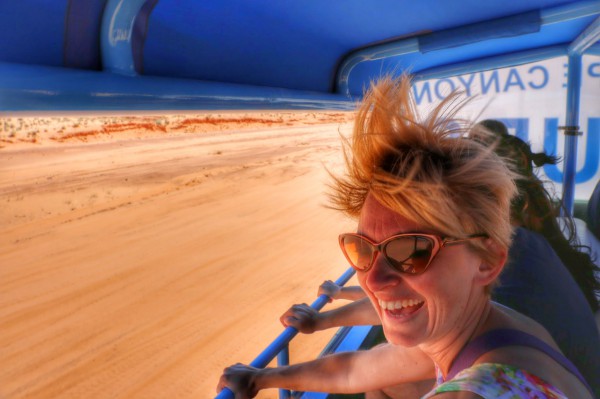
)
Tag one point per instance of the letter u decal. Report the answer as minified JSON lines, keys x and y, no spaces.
{"x":592,"y":149}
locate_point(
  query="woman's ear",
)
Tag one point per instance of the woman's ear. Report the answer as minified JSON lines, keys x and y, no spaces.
{"x":490,"y":269}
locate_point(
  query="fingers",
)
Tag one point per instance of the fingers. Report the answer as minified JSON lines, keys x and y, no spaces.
{"x":221,"y":384}
{"x":295,"y":315}
{"x":238,"y":378}
{"x":224,"y":379}
{"x":288,"y":314}
{"x":300,"y":316}
{"x":329,"y":288}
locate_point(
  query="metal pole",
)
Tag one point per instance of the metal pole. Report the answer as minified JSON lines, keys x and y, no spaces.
{"x":571,"y":132}
{"x":587,"y":38}
{"x":283,"y":359}
{"x":286,"y":336}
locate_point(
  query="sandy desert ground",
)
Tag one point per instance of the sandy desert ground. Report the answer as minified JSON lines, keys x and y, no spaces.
{"x":139,"y":257}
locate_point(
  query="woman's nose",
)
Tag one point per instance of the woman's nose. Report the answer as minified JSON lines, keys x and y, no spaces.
{"x":381,"y":274}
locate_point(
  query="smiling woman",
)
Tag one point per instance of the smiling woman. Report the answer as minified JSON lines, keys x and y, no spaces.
{"x":140,"y":56}
{"x":416,"y":183}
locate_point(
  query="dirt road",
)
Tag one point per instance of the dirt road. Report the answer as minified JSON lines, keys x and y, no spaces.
{"x":141,"y":268}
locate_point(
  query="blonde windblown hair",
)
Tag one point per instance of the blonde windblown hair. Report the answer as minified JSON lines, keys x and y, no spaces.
{"x":425,"y":169}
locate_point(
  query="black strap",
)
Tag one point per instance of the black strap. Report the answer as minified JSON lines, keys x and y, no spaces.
{"x":507,"y":337}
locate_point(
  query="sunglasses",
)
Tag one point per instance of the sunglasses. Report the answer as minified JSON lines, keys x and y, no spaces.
{"x":407,"y":253}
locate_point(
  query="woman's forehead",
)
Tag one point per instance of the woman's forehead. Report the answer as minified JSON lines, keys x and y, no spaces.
{"x":379,"y":222}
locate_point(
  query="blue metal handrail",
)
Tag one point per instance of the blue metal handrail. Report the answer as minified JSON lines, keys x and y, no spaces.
{"x":584,"y":41}
{"x":280,"y":343}
{"x":571,"y":131}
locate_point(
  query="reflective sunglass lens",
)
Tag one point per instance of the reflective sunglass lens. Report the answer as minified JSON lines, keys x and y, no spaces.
{"x":358,"y":251}
{"x":409,"y":254}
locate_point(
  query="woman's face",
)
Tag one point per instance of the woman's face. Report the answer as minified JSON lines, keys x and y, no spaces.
{"x":428,"y":307}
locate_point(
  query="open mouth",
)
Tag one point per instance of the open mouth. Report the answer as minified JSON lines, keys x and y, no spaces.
{"x":403,"y":307}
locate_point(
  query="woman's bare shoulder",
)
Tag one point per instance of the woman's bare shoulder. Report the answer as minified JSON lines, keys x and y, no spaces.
{"x":510,"y":318}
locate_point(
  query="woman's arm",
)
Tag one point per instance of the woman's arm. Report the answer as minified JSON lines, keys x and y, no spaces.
{"x":334,"y":291}
{"x":349,"y":372}
{"x":307,"y":320}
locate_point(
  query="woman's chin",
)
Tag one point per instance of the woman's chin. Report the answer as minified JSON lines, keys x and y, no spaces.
{"x":404,"y":329}
{"x":402,"y":336}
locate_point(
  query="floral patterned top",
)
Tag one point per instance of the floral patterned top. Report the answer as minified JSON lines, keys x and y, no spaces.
{"x":497,"y":381}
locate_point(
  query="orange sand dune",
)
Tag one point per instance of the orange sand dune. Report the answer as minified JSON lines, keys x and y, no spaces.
{"x":140,"y":265}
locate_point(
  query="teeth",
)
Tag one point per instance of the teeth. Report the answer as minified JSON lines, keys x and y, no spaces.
{"x":394,"y":305}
